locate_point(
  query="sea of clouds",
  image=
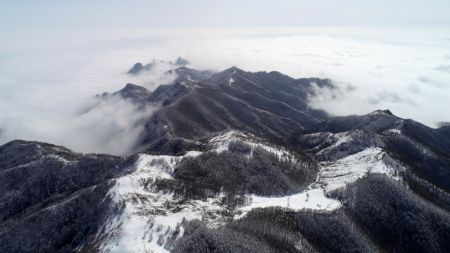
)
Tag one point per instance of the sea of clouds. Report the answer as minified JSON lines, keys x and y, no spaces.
{"x":48,"y":82}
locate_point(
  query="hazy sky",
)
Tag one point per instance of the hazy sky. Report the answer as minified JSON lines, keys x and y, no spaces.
{"x":48,"y":14}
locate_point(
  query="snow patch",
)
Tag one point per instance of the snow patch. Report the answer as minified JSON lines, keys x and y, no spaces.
{"x":313,"y":199}
{"x":59,"y":158}
{"x":395,"y":131}
{"x":339,"y":139}
{"x":221,"y":143}
{"x":332,"y":176}
{"x":150,"y":220}
{"x":335,"y":175}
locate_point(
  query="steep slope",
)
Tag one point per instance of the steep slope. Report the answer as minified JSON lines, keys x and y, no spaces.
{"x":265,"y":104}
{"x":394,"y":217}
{"x":417,"y":153}
{"x":51,"y":199}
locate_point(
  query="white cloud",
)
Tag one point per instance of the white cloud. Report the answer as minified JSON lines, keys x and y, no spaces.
{"x":45,"y":97}
{"x":399,"y":69}
{"x":111,"y":126}
{"x":45,"y":86}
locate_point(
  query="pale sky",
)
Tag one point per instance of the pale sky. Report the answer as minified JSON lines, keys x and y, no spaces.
{"x":53,"y":14}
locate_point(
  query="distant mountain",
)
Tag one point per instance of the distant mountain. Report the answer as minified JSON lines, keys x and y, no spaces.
{"x":199,"y":104}
{"x":138,"y":68}
{"x":181,"y":61}
{"x":134,"y":92}
{"x":235,"y":161}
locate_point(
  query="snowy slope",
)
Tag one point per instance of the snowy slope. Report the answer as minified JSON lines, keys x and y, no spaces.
{"x":222,"y":141}
{"x":335,"y":175}
{"x":332,"y":176}
{"x":313,"y":199}
{"x":151,"y":220}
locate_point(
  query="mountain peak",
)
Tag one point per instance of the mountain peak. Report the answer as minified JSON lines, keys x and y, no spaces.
{"x":130,"y":86}
{"x":387,"y":112}
{"x":233,"y":70}
{"x":226,"y":76}
{"x":138,"y":67}
{"x":133,"y":91}
{"x":181,"y":61}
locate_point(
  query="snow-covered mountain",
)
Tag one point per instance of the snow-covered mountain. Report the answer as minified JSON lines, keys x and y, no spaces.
{"x":234,"y":161}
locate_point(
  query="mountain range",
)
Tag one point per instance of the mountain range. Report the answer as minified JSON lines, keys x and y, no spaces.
{"x":234,"y":161}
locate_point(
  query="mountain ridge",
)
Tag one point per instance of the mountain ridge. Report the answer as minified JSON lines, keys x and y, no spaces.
{"x":234,"y":161}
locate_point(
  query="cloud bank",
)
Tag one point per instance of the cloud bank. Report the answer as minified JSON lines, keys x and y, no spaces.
{"x":46,"y":85}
